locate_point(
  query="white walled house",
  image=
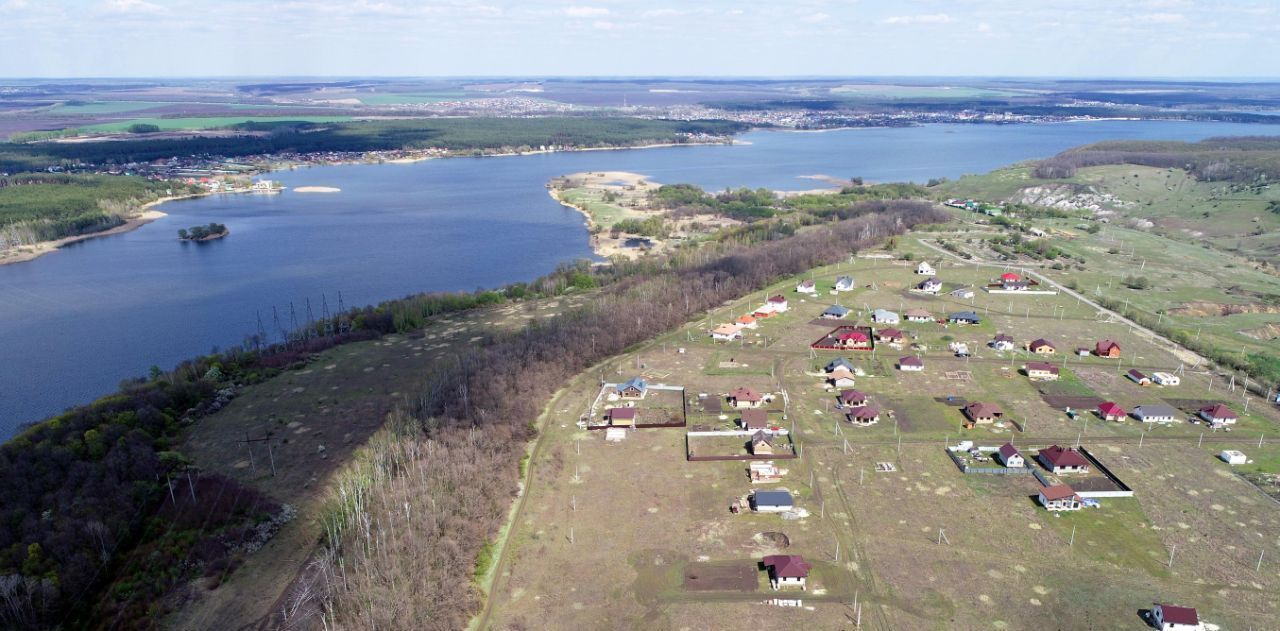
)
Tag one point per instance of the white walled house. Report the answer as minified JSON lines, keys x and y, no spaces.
{"x":925,"y":269}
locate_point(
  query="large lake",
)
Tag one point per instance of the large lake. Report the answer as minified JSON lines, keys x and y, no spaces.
{"x":74,"y":323}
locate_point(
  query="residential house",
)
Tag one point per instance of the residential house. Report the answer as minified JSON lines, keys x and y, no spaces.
{"x":787,"y":570}
{"x":844,"y":283}
{"x":863,"y":415}
{"x":964,"y":317}
{"x":890,"y":336}
{"x":727,"y":332}
{"x":633,"y":388}
{"x":918,"y":315}
{"x":1111,"y":411}
{"x":884,"y":316}
{"x":839,"y":362}
{"x":925,"y":269}
{"x":1059,"y":460}
{"x":754,"y":418}
{"x":1218,"y":415}
{"x":1002,"y":342}
{"x":807,"y":287}
{"x":963,"y":293}
{"x":1107,"y":348}
{"x":1059,"y":497}
{"x":835,"y":312}
{"x":1014,"y":285}
{"x":983,"y":413}
{"x":1174,"y":618}
{"x":771,"y":501}
{"x":929,"y":286}
{"x":1042,"y":371}
{"x":1010,"y":456}
{"x":779,"y":303}
{"x":841,"y":378}
{"x":1008,"y":277}
{"x":1155,"y":413}
{"x":762,"y":443}
{"x":1082,"y":351}
{"x":1165,"y":379}
{"x":747,"y":322}
{"x":621,"y":417}
{"x":911,"y":363}
{"x":851,"y":398}
{"x":1138,"y":377}
{"x":853,"y":340}
{"x":745,"y":398}
{"x":1041,"y":346}
{"x":1231,"y":456}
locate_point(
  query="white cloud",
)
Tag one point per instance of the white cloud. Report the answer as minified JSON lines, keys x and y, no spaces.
{"x":132,"y":6}
{"x":1162,"y":18}
{"x":661,"y":13}
{"x":603,"y":25}
{"x":984,"y":27}
{"x":929,"y":18}
{"x":814,"y":18}
{"x":585,"y":12}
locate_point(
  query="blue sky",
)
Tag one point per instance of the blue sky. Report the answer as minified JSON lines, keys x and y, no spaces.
{"x":1172,"y":38}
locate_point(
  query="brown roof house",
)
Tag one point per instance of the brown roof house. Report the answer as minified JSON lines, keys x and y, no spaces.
{"x":983,"y":413}
{"x":786,"y":570}
{"x":621,"y":417}
{"x":1010,"y":456}
{"x":1060,"y":460}
{"x":1175,"y":618}
{"x":762,"y":443}
{"x":1059,"y":497}
{"x":1107,"y":348}
{"x":1042,"y":346}
{"x":850,"y":398}
{"x":911,"y":363}
{"x":1218,"y":414}
{"x":755,"y":418}
{"x":745,"y":398}
{"x":863,"y":415}
{"x":1042,"y":371}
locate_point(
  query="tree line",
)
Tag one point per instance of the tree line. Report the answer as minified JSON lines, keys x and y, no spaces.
{"x":1237,"y":159}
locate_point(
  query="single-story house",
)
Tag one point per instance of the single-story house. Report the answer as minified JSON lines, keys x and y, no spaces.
{"x":1111,"y":411}
{"x":1060,"y":460}
{"x":727,"y":332}
{"x":844,"y":283}
{"x":1107,"y":348}
{"x":762,"y":443}
{"x":1174,"y":618}
{"x":786,"y":570}
{"x":1041,"y":346}
{"x":911,"y":363}
{"x":771,"y":501}
{"x":889,"y":336}
{"x":1059,"y":497}
{"x":754,"y":418}
{"x":807,"y":287}
{"x":917,"y":315}
{"x":1008,"y":276}
{"x":929,"y":286}
{"x":884,"y":316}
{"x":964,"y":293}
{"x":839,"y":362}
{"x":745,"y":398}
{"x":835,"y":312}
{"x":779,"y":303}
{"x":964,"y":317}
{"x":841,"y":378}
{"x":983,"y":413}
{"x":1042,"y":371}
{"x":851,"y":398}
{"x":1231,"y":456}
{"x":1155,"y":413}
{"x":633,"y":388}
{"x":746,"y":322}
{"x":863,"y":415}
{"x":1010,"y":456}
{"x":1165,"y":379}
{"x":621,"y":417}
{"x":1014,"y":285}
{"x":856,"y":340}
{"x":1138,"y":377}
{"x":925,"y":269}
{"x":1002,"y":342}
{"x":1218,"y":414}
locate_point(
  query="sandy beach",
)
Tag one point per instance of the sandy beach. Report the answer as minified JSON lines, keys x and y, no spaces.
{"x":147,"y":214}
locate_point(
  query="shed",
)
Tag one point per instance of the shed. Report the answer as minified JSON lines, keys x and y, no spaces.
{"x":1231,"y":456}
{"x":619,"y":417}
{"x":771,"y":501}
{"x":1174,"y":618}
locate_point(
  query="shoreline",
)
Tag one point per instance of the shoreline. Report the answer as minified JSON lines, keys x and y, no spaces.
{"x":146,"y":214}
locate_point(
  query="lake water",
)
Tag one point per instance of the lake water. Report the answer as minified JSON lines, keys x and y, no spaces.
{"x":74,"y":323}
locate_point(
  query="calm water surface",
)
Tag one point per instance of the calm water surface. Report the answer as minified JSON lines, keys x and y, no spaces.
{"x":76,"y":322}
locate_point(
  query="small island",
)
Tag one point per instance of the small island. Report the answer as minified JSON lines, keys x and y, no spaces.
{"x":203,"y":233}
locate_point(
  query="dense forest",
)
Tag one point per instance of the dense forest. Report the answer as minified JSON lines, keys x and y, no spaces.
{"x":202,"y":233}
{"x":458,"y":134}
{"x":1238,"y":159}
{"x":41,"y":207}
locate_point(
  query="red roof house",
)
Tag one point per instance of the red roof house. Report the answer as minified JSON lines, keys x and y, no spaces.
{"x":1059,"y":497}
{"x":755,"y":418}
{"x":1175,"y":618}
{"x":1042,"y":346}
{"x":983,"y":412}
{"x":1107,"y":348}
{"x":1060,"y":460}
{"x":1111,"y":411}
{"x":1010,"y":456}
{"x":787,"y":570}
{"x":1009,"y":276}
{"x":745,"y":397}
{"x":1218,"y":414}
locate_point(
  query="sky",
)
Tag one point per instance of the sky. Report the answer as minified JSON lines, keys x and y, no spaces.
{"x":1045,"y":38}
